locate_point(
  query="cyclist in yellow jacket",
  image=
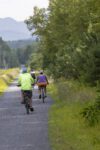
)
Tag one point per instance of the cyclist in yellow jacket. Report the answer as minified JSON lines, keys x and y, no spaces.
{"x":26,"y":81}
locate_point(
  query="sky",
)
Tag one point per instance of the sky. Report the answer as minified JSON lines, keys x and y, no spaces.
{"x":20,"y":9}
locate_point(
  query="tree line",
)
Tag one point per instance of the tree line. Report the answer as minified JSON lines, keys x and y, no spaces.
{"x":7,"y":56}
{"x":10,"y":57}
{"x":69,"y":38}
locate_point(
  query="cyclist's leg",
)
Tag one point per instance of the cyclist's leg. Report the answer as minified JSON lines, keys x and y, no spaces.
{"x":39,"y":90}
{"x":45,"y":90}
{"x":22,"y":97}
{"x":30,"y":100}
{"x":30,"y":97}
{"x":42,"y":88}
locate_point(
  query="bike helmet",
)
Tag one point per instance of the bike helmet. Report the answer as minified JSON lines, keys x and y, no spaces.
{"x":24,"y":70}
{"x":41,"y":71}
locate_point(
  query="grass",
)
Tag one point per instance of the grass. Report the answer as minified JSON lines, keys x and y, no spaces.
{"x":6,"y":76}
{"x":3,"y":85}
{"x":67,"y":129}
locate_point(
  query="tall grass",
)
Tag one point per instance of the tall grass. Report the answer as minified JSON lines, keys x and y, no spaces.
{"x":67,"y":129}
{"x":6,"y":76}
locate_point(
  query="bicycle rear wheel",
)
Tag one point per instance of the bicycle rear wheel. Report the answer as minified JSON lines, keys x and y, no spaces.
{"x":42,"y":94}
{"x":27,"y":105}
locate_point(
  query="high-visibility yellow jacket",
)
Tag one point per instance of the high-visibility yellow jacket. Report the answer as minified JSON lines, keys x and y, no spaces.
{"x":25,"y":81}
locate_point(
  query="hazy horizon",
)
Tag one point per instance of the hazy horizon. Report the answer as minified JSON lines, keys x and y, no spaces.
{"x":12,"y":19}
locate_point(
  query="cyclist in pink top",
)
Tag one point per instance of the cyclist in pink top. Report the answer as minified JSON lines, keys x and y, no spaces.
{"x":42,"y":81}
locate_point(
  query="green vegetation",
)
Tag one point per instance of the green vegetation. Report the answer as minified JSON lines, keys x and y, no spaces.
{"x":19,"y":43}
{"x":24,"y":54}
{"x":6,"y":76}
{"x":67,"y":128}
{"x":69,"y":45}
{"x":8,"y":57}
{"x":69,"y":34}
{"x":92,"y":112}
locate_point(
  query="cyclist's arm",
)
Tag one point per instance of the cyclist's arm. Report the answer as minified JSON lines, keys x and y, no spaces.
{"x":47,"y":80}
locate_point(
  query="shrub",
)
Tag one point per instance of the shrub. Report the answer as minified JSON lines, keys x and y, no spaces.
{"x":92,"y":112}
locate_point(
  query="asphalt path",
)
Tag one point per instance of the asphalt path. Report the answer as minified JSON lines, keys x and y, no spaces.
{"x":19,"y":131}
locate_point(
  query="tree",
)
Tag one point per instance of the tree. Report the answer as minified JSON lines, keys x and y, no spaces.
{"x":69,"y":33}
{"x":7,"y":56}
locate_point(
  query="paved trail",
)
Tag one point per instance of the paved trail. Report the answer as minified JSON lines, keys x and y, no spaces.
{"x":19,"y":131}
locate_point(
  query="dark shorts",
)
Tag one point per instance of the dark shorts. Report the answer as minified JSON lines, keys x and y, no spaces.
{"x":28,"y":93}
{"x":39,"y":87}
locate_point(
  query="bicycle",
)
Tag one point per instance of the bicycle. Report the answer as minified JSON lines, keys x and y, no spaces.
{"x":26,"y":97}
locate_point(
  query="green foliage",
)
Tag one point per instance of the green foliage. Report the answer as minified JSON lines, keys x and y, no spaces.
{"x":24,"y":54}
{"x":35,"y":61}
{"x":67,"y":129}
{"x":6,"y":76}
{"x":69,"y":32}
{"x":19,"y":43}
{"x":7,"y":56}
{"x":92,"y":112}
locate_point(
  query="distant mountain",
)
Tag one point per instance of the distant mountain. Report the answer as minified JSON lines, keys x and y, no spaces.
{"x":11,"y":30}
